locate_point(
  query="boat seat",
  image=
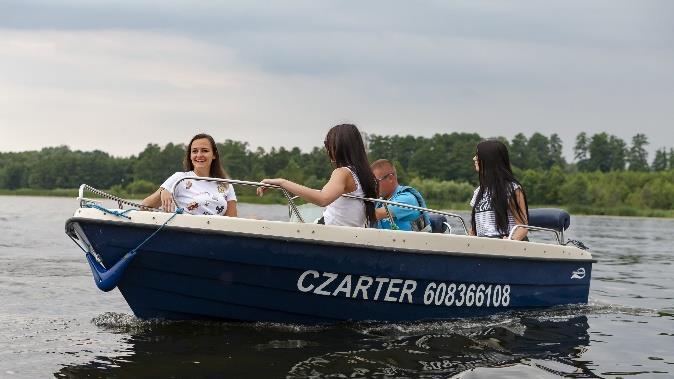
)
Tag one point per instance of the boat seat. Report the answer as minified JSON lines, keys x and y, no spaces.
{"x":551,"y":218}
{"x":437,"y":223}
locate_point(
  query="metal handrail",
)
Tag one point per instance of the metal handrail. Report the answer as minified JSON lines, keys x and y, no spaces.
{"x":388,"y":214}
{"x":119,"y":200}
{"x":537,"y":228}
{"x":397,"y":204}
{"x":291,"y":203}
{"x":449,"y":227}
{"x":559,"y":235}
{"x":421,"y":209}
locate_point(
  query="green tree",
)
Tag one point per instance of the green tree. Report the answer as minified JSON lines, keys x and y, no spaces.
{"x":459,"y":150}
{"x":141,"y":187}
{"x":607,"y":153}
{"x":618,"y":153}
{"x":581,"y":151}
{"x":292,"y":171}
{"x":395,"y":148}
{"x":541,"y":187}
{"x":236,"y":159}
{"x":660,"y":162}
{"x":600,"y":153}
{"x":575,"y":190}
{"x":658,"y":194}
{"x":519,"y":152}
{"x":539,"y":150}
{"x":637,"y":156}
{"x":531,"y":180}
{"x":12,"y":176}
{"x":155,"y":164}
{"x":556,"y":151}
{"x":609,"y":189}
{"x":446,"y":190}
{"x":276,"y":160}
{"x":318,"y":163}
{"x":424,"y":161}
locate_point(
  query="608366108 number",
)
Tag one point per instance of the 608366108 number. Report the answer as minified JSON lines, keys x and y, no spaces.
{"x":463,"y":295}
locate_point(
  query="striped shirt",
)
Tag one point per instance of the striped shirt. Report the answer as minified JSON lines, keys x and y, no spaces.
{"x":485,"y":216}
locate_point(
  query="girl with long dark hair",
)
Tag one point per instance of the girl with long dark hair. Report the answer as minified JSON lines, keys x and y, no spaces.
{"x":352,"y":175}
{"x":198,"y":196}
{"x":499,"y":203}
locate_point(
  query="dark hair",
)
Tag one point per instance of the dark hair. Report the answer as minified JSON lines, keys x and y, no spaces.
{"x":216,"y":170}
{"x":496,"y":179}
{"x":345,"y":147}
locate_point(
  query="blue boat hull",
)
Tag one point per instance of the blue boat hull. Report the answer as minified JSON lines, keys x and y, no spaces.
{"x":187,"y":274}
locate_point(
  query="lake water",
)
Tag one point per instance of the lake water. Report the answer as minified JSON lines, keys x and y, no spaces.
{"x":54,"y":322}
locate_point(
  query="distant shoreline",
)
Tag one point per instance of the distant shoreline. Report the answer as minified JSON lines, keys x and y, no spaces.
{"x":574,"y":210}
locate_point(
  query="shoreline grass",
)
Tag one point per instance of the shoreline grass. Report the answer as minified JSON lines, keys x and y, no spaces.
{"x":276,"y":198}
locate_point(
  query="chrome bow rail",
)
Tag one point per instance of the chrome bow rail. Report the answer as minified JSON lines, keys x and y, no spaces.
{"x":291,"y":203}
{"x":292,"y":208}
{"x":558,"y":234}
{"x":120,"y":202}
{"x":421,"y":209}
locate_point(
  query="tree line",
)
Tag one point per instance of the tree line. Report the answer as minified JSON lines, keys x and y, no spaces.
{"x":605,"y":171}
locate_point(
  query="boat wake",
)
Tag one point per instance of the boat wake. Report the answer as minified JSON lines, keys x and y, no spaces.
{"x":124,"y":322}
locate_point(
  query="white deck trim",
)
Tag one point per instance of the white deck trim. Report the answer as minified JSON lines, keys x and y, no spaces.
{"x":382,"y":239}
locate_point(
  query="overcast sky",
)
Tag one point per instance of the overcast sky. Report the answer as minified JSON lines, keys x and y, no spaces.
{"x":116,"y":75}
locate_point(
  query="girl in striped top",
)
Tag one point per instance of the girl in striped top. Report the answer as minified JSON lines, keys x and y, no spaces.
{"x":499,"y":203}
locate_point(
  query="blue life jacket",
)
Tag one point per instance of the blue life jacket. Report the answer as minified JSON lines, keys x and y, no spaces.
{"x":423,"y":223}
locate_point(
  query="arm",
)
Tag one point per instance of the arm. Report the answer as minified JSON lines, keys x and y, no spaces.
{"x":231,"y":209}
{"x":473,"y":201}
{"x":333,"y":189}
{"x":160,"y":198}
{"x":380,"y":213}
{"x":400,"y":213}
{"x":154,"y":200}
{"x":520,"y":233}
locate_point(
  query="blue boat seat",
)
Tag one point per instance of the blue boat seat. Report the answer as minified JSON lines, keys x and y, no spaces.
{"x":437,"y":223}
{"x":551,"y":218}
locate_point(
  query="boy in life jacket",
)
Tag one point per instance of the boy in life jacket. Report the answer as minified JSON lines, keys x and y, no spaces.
{"x":389,"y":189}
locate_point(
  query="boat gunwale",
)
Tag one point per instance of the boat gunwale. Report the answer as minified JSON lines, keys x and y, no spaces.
{"x":75,"y":219}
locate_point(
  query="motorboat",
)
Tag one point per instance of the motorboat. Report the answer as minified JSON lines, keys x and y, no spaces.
{"x":181,"y":266}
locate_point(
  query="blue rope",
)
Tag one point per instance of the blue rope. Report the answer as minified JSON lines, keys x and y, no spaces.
{"x":178,"y":211}
{"x":111,"y":211}
{"x":107,"y":279}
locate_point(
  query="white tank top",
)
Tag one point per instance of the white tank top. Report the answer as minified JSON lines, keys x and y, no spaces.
{"x":345,"y":211}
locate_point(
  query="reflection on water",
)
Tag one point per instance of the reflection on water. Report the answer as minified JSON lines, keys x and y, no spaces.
{"x":548,"y":343}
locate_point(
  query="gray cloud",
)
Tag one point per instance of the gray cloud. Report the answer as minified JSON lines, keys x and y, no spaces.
{"x":282,"y":72}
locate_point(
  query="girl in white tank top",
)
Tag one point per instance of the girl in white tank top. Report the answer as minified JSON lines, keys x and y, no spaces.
{"x":345,"y":211}
{"x":346,"y":150}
